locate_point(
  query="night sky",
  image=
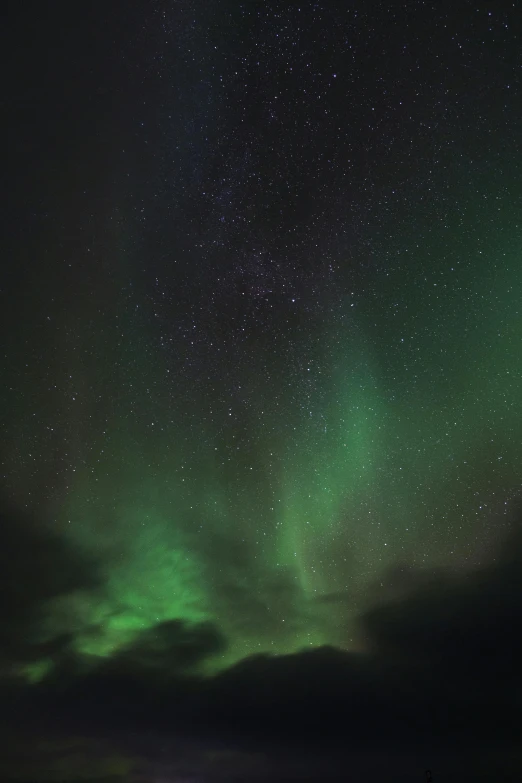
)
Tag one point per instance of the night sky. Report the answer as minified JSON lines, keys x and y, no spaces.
{"x":261,"y":363}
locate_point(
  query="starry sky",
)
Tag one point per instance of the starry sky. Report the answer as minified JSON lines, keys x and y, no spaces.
{"x":261,"y":363}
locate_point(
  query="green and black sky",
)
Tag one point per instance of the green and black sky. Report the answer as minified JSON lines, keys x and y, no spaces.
{"x":262,"y":298}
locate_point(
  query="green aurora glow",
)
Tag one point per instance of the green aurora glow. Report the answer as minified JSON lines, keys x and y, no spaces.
{"x":398,"y":447}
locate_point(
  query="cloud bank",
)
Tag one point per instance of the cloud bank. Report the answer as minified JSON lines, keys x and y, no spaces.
{"x":440,"y":658}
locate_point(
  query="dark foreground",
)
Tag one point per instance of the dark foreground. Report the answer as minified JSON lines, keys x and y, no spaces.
{"x":38,"y":757}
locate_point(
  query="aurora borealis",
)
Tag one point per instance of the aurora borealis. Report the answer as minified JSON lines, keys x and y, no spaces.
{"x":275,"y":510}
{"x":262,"y":362}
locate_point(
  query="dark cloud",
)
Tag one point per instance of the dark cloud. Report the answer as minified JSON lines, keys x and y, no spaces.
{"x":36,"y":566}
{"x":441,"y":661}
{"x":170,"y":648}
